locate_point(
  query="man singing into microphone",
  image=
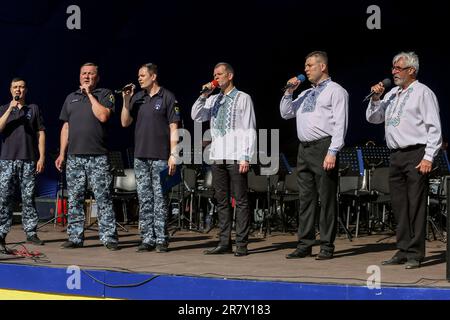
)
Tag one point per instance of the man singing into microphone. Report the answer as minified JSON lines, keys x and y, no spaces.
{"x":413,"y":133}
{"x":157,"y":115}
{"x":322,"y":118}
{"x":233,"y":126}
{"x":22,"y":157}
{"x":85,"y":114}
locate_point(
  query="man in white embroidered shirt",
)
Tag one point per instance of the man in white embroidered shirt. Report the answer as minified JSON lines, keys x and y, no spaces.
{"x":233,"y":125}
{"x":413,"y":134}
{"x":322,"y":118}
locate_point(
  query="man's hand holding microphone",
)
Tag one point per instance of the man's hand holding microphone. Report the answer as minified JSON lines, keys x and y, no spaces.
{"x":208,"y":88}
{"x":127,"y":94}
{"x":293,"y":84}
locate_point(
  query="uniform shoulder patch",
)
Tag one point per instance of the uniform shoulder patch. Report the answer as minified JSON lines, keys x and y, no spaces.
{"x":177,"y":108}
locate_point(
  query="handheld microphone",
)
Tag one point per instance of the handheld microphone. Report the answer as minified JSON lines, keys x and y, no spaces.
{"x":126,"y":88}
{"x":214,"y":84}
{"x":386,"y":83}
{"x":16,"y":108}
{"x":300,"y":78}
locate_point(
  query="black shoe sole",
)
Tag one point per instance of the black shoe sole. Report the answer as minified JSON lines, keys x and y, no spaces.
{"x":298,"y":256}
{"x":72,"y":247}
{"x":393,"y":263}
{"x":240,"y":254}
{"x":323,"y":258}
{"x":217,"y":252}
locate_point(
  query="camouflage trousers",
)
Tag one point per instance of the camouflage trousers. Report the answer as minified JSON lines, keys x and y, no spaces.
{"x":13,"y":174}
{"x":153,"y":204}
{"x":93,"y":171}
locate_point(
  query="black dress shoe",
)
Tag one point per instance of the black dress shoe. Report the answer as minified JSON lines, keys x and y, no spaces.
{"x":145,"y":247}
{"x":241,"y":251}
{"x":393,"y":261}
{"x":162,"y":248}
{"x":113,"y":246}
{"x":71,"y":245}
{"x":324,"y":255}
{"x":34,"y":239}
{"x":298,"y":253}
{"x":219,"y":250}
{"x":412,"y":264}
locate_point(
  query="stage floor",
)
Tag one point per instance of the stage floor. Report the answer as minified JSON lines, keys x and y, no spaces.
{"x":266,"y":260}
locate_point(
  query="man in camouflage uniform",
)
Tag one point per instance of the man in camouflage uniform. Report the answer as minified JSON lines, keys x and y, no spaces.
{"x":157,"y":115}
{"x":22,"y":157}
{"x":85,"y":114}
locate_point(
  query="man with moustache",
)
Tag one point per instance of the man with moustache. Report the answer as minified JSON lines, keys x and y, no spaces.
{"x":410,"y":112}
{"x":83,"y":136}
{"x":22,"y":157}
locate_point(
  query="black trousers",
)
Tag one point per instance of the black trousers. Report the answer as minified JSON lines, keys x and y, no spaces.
{"x":315,"y":183}
{"x":408,"y":190}
{"x":225,"y":178}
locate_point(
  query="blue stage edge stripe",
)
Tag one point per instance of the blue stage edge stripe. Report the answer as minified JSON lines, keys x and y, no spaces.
{"x":170,"y":287}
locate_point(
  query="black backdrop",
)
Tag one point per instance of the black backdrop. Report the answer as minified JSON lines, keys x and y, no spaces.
{"x":265,"y":41}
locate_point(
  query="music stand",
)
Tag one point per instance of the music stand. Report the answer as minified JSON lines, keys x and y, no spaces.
{"x":441,"y":164}
{"x":441,"y":168}
{"x":271,"y":178}
{"x":349,"y":165}
{"x":284,"y":170}
{"x":191,"y":189}
{"x":375,"y":157}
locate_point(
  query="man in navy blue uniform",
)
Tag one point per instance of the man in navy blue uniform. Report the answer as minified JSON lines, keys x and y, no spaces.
{"x":22,"y":157}
{"x":84,"y":136}
{"x":157,"y":115}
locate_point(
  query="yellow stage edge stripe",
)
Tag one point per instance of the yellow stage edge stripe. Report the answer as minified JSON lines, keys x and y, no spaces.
{"x":27,"y":295}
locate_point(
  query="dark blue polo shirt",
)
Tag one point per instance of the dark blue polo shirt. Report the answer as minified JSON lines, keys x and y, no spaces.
{"x":87,"y":135}
{"x":153,"y":116}
{"x":20,"y":138}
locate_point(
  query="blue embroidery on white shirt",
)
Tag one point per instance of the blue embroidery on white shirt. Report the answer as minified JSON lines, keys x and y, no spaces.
{"x":392,"y":120}
{"x":309,"y":104}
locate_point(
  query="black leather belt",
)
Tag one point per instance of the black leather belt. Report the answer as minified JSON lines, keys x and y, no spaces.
{"x":409,"y":148}
{"x":311,"y":143}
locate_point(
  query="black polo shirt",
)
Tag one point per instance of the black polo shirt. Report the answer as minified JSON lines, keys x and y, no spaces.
{"x":20,"y":138}
{"x":153,"y":115}
{"x":87,"y":135}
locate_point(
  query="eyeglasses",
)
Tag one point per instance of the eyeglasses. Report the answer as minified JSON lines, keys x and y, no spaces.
{"x":399,"y":69}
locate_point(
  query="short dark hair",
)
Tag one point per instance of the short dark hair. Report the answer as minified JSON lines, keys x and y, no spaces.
{"x":227,"y":66}
{"x":17,"y":79}
{"x":151,"y":67}
{"x":90,"y":64}
{"x":319,"y":54}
